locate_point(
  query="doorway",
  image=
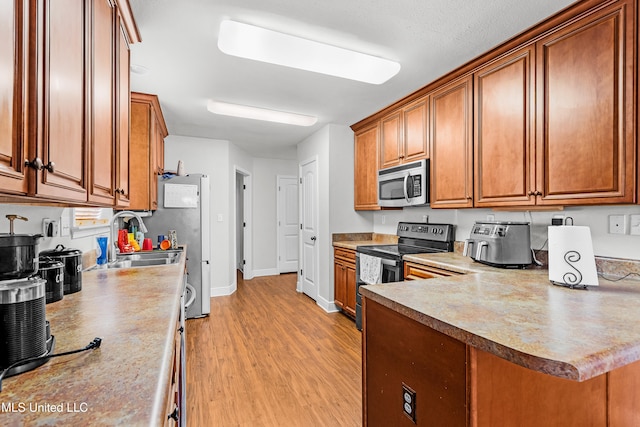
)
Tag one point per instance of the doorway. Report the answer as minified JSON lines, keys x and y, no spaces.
{"x":243,"y":223}
{"x":287,"y":217}
{"x":309,"y":253}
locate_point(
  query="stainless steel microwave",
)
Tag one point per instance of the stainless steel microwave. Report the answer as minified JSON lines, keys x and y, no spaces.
{"x":404,"y":185}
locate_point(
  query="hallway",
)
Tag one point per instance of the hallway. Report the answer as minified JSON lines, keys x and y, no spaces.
{"x":269,"y":356}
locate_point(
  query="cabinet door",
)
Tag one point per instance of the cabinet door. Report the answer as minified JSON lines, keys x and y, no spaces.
{"x":414,"y":120}
{"x":585,"y":99}
{"x":102,"y":165}
{"x":504,"y":132}
{"x":350,"y":281}
{"x":339,"y":284}
{"x":123,"y":114}
{"x":366,"y":168}
{"x":451,"y":150}
{"x":153,"y":170}
{"x":140,"y":178}
{"x":62,"y":108}
{"x":13,"y":90}
{"x":391,"y":140}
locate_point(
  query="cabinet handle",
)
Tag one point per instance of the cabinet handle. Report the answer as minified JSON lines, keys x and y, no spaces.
{"x":531,"y":193}
{"x":175,"y":415}
{"x":538,"y":193}
{"x":34,"y":164}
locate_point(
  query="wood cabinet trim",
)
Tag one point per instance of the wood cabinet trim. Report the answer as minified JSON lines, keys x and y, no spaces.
{"x":154,"y":103}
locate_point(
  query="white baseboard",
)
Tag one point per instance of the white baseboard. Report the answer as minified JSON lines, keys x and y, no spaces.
{"x":224,"y":291}
{"x":266,"y":272}
{"x":328,"y":306}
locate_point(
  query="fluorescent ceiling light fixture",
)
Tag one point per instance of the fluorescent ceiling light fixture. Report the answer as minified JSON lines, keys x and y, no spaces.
{"x":264,"y":114}
{"x":259,"y":44}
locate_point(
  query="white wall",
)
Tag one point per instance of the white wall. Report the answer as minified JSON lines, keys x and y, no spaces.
{"x":333,"y":146}
{"x":36,"y":214}
{"x":265,"y":198}
{"x":210,"y":157}
{"x":596,"y":217}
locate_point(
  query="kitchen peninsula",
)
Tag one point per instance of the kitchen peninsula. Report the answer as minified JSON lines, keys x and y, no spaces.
{"x":131,"y":379}
{"x":501,"y":347}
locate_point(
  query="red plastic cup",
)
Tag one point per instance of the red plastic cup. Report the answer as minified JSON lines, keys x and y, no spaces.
{"x":147,"y":244}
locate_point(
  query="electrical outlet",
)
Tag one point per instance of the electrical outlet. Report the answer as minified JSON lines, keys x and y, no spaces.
{"x":491,"y":217}
{"x":617,"y":224}
{"x":557,"y":219}
{"x":409,"y":402}
{"x":50,"y":227}
{"x":383,"y":219}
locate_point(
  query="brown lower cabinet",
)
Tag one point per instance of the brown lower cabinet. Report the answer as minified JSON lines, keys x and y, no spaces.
{"x":413,"y":271}
{"x":458,"y":385}
{"x":344,"y":268}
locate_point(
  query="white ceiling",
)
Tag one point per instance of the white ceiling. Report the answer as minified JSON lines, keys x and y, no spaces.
{"x":428,"y":37}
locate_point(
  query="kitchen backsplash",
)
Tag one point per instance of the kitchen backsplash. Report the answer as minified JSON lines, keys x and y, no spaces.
{"x":624,"y":246}
{"x":36,"y":214}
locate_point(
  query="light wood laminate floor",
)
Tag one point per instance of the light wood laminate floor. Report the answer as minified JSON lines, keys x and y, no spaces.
{"x":269,"y":356}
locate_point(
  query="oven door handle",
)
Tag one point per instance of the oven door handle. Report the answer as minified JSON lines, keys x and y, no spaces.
{"x":384,"y":261}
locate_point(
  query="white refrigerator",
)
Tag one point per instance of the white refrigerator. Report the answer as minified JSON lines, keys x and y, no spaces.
{"x":183,"y":205}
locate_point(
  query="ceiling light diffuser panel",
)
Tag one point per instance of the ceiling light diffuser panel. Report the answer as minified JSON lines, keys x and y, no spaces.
{"x":248,"y":112}
{"x":259,"y":44}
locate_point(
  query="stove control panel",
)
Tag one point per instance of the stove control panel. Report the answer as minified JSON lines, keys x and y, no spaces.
{"x":440,"y":232}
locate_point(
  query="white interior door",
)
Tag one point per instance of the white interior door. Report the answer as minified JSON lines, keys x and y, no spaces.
{"x":309,"y":231}
{"x":287,"y":224}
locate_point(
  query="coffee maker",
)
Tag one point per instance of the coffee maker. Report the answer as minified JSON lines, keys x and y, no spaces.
{"x":501,"y":244}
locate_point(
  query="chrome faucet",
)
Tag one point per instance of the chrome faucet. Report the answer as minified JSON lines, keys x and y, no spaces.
{"x":114,"y":218}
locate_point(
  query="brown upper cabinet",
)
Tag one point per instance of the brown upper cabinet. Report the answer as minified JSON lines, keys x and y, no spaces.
{"x":148,"y":131}
{"x":451,"y":145}
{"x":504,"y":142}
{"x":586,"y":119}
{"x":62,"y":128}
{"x":58,"y":124}
{"x":548,"y":118}
{"x":102,"y":152}
{"x":404,"y":135}
{"x":123,"y":113}
{"x":14,"y":101}
{"x":365,"y":190}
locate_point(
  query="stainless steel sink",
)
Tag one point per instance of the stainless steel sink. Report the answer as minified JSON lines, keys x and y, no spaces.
{"x":144,"y":259}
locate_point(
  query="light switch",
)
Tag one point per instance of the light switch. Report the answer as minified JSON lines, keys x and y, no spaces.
{"x":219,"y":217}
{"x":634,"y":224}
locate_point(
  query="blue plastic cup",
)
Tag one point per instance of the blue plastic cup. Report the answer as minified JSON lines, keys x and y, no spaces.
{"x":102,"y":250}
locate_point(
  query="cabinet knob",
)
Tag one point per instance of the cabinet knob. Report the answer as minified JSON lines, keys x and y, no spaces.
{"x":531,"y":193}
{"x":34,"y":164}
{"x":51,"y":167}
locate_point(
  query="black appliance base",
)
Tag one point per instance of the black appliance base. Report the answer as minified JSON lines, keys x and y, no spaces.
{"x":42,"y":359}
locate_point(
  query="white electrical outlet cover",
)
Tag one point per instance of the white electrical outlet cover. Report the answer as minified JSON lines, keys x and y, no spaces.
{"x":617,"y":224}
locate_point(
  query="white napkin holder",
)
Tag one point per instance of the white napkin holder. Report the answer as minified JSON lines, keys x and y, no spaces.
{"x":571,"y":260}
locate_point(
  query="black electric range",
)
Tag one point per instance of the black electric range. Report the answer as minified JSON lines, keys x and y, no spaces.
{"x":413,"y":238}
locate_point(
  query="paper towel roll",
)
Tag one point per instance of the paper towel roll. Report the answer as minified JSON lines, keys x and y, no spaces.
{"x":571,"y":259}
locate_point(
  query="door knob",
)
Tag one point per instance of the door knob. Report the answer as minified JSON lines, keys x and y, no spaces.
{"x":313,"y":238}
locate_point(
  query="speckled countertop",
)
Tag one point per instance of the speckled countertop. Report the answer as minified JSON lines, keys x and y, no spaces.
{"x":353,"y":240}
{"x":519,"y":316}
{"x":124,"y":382}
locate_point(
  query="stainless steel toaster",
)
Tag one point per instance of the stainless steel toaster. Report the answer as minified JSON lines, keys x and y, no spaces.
{"x":500,"y":244}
